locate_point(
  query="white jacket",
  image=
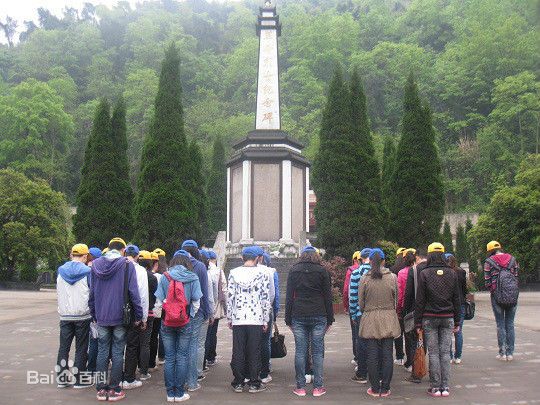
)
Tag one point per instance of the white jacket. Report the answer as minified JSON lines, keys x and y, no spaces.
{"x":73,"y":300}
{"x":248,"y":298}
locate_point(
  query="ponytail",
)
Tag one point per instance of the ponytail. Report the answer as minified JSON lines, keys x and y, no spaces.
{"x":375,"y":261}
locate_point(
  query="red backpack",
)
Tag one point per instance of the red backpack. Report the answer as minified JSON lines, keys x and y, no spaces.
{"x":175,"y":305}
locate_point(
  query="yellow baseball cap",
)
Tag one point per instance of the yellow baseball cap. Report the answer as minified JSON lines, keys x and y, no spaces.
{"x":159,"y":252}
{"x":413,"y":251}
{"x":493,"y":245}
{"x":104,"y":250}
{"x":118,"y":240}
{"x":145,"y":255}
{"x":435,"y":247}
{"x":400,"y":251}
{"x":79,"y":249}
{"x":154,"y":256}
{"x":356,"y":255}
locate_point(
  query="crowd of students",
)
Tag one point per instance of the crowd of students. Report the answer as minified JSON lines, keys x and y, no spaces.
{"x":130,"y":311}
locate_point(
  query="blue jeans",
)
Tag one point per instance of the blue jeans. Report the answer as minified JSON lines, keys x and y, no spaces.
{"x":176,"y":345}
{"x":196,"y":326}
{"x":380,"y":363}
{"x":459,"y":337}
{"x":504,"y":317}
{"x":309,"y":330}
{"x":106,"y":335}
{"x":92,"y":354}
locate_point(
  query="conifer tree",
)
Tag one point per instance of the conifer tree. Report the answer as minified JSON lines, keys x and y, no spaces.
{"x":346,"y":217}
{"x":388,"y":164}
{"x":416,"y":204}
{"x":104,"y":198}
{"x":473,"y":259}
{"x":447,"y":238}
{"x":165,"y":211}
{"x":216,"y":191}
{"x":198,"y":189}
{"x":462,"y":246}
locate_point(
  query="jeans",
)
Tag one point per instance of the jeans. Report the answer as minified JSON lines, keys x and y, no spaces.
{"x":504,"y":317}
{"x":246,"y":347}
{"x":459,"y":337}
{"x":380,"y":364}
{"x":176,"y":345}
{"x":309,"y":330}
{"x":69,"y":330}
{"x":106,"y":335}
{"x":92,"y":354}
{"x":211,"y":342}
{"x":196,"y":324}
{"x":155,"y":338}
{"x":201,"y":347}
{"x":438,"y":336}
{"x":361,"y":352}
{"x":137,"y":350}
{"x":354,"y":331}
{"x":266,"y":349}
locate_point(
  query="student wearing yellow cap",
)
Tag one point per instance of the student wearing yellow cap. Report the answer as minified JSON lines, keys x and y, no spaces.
{"x":156,"y":343}
{"x":73,"y":290}
{"x":501,"y":279}
{"x":437,"y":314}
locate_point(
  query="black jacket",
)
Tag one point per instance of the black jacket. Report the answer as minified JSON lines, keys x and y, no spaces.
{"x":152,"y":287}
{"x":409,"y":300}
{"x":437,"y":295}
{"x":462,"y":282}
{"x":309,"y":292}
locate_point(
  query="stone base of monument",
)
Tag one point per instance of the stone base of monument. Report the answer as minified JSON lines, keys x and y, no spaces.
{"x":282,"y":249}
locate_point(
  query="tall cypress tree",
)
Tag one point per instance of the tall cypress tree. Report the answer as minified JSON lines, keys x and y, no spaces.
{"x":388,"y":166}
{"x":462,"y":246}
{"x":165,"y":211}
{"x":416,"y":204}
{"x":104,"y":198}
{"x":447,"y":238}
{"x":473,"y":258}
{"x":216,"y":190}
{"x":198,"y":189}
{"x":342,"y":211}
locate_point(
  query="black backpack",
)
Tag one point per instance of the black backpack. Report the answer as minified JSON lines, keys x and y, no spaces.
{"x":507,"y":288}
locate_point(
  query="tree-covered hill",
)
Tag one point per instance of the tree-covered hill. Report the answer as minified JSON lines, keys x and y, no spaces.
{"x":476,"y":62}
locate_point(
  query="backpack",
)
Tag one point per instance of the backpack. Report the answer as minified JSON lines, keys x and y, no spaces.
{"x":175,"y":305}
{"x":506,"y":291}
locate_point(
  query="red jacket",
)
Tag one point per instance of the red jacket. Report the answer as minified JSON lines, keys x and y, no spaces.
{"x":346,"y":284}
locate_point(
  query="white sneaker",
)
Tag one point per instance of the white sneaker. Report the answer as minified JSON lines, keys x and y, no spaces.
{"x":196,"y":388}
{"x":501,"y":357}
{"x":267,"y":379}
{"x":452,"y":361}
{"x":457,"y":361}
{"x":509,"y":357}
{"x":309,"y":378}
{"x":183,"y":398}
{"x":170,"y":399}
{"x":129,"y":386}
{"x":145,"y":377}
{"x":409,"y":369}
{"x":353,"y":361}
{"x":159,"y":362}
{"x":246,"y":380}
{"x":399,"y":362}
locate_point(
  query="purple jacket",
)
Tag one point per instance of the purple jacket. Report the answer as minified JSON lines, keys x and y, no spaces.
{"x":107,"y":290}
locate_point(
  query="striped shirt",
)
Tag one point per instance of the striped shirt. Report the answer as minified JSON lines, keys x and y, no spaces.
{"x":356,"y":276}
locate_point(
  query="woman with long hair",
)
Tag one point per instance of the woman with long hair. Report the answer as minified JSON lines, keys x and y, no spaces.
{"x":409,"y":259}
{"x":462,"y":282}
{"x":398,"y":265}
{"x":309,"y":314}
{"x":377,"y":298}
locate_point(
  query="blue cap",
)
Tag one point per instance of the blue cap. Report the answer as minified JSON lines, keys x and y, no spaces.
{"x":181,"y":252}
{"x":309,"y":249}
{"x":250,"y":252}
{"x":211,"y":255}
{"x":379,"y":251}
{"x":190,"y":243}
{"x":365,"y":252}
{"x":95,"y":252}
{"x":204,"y":253}
{"x":260,"y":250}
{"x":267,"y":259}
{"x":448,"y":256}
{"x":132,"y":250}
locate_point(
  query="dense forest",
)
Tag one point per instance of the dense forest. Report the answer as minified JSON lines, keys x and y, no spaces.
{"x":476,"y":62}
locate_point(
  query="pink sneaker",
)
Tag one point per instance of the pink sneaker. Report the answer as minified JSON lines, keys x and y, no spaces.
{"x":385,"y":394}
{"x":319,"y":392}
{"x":301,"y":392}
{"x":434,"y":392}
{"x":372,"y":393}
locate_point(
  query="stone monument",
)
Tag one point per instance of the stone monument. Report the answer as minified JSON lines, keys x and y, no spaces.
{"x":267,"y":176}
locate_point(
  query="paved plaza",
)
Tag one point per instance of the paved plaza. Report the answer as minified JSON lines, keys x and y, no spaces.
{"x":29,"y":325}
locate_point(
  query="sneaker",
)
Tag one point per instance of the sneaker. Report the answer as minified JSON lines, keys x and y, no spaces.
{"x":411,"y":378}
{"x":210,"y":363}
{"x":246,"y":380}
{"x":309,"y":378}
{"x":372,"y":393}
{"x":256,"y":389}
{"x":82,"y":386}
{"x":509,"y":357}
{"x":201,"y":377}
{"x":457,"y":361}
{"x":183,"y":398}
{"x":452,"y":361}
{"x":197,"y":387}
{"x":359,"y":380}
{"x":409,"y":369}
{"x":434,"y":392}
{"x":131,"y":385}
{"x":386,"y":393}
{"x":116,"y":396}
{"x":445,"y":392}
{"x":501,"y":357}
{"x":170,"y":399}
{"x":319,"y":392}
{"x":353,"y":361}
{"x":266,"y":380}
{"x":399,"y":362}
{"x":161,"y":361}
{"x":144,"y":377}
{"x":206,"y":369}
{"x":301,"y":392}
{"x":238,"y":388}
{"x":102,"y":395}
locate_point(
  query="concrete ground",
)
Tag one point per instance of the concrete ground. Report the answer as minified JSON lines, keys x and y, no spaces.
{"x":29,"y":325}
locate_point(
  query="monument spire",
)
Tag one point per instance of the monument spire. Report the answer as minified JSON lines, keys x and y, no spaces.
{"x":268,"y":31}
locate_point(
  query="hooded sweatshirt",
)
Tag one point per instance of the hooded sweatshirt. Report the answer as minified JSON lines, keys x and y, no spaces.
{"x":73,"y":289}
{"x":192,"y":288}
{"x":491,"y":273}
{"x":107,"y":289}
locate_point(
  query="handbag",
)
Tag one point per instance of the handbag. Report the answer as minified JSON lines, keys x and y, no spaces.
{"x":127,"y":309}
{"x":470,"y":307}
{"x":419,"y":368}
{"x":278,"y":348}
